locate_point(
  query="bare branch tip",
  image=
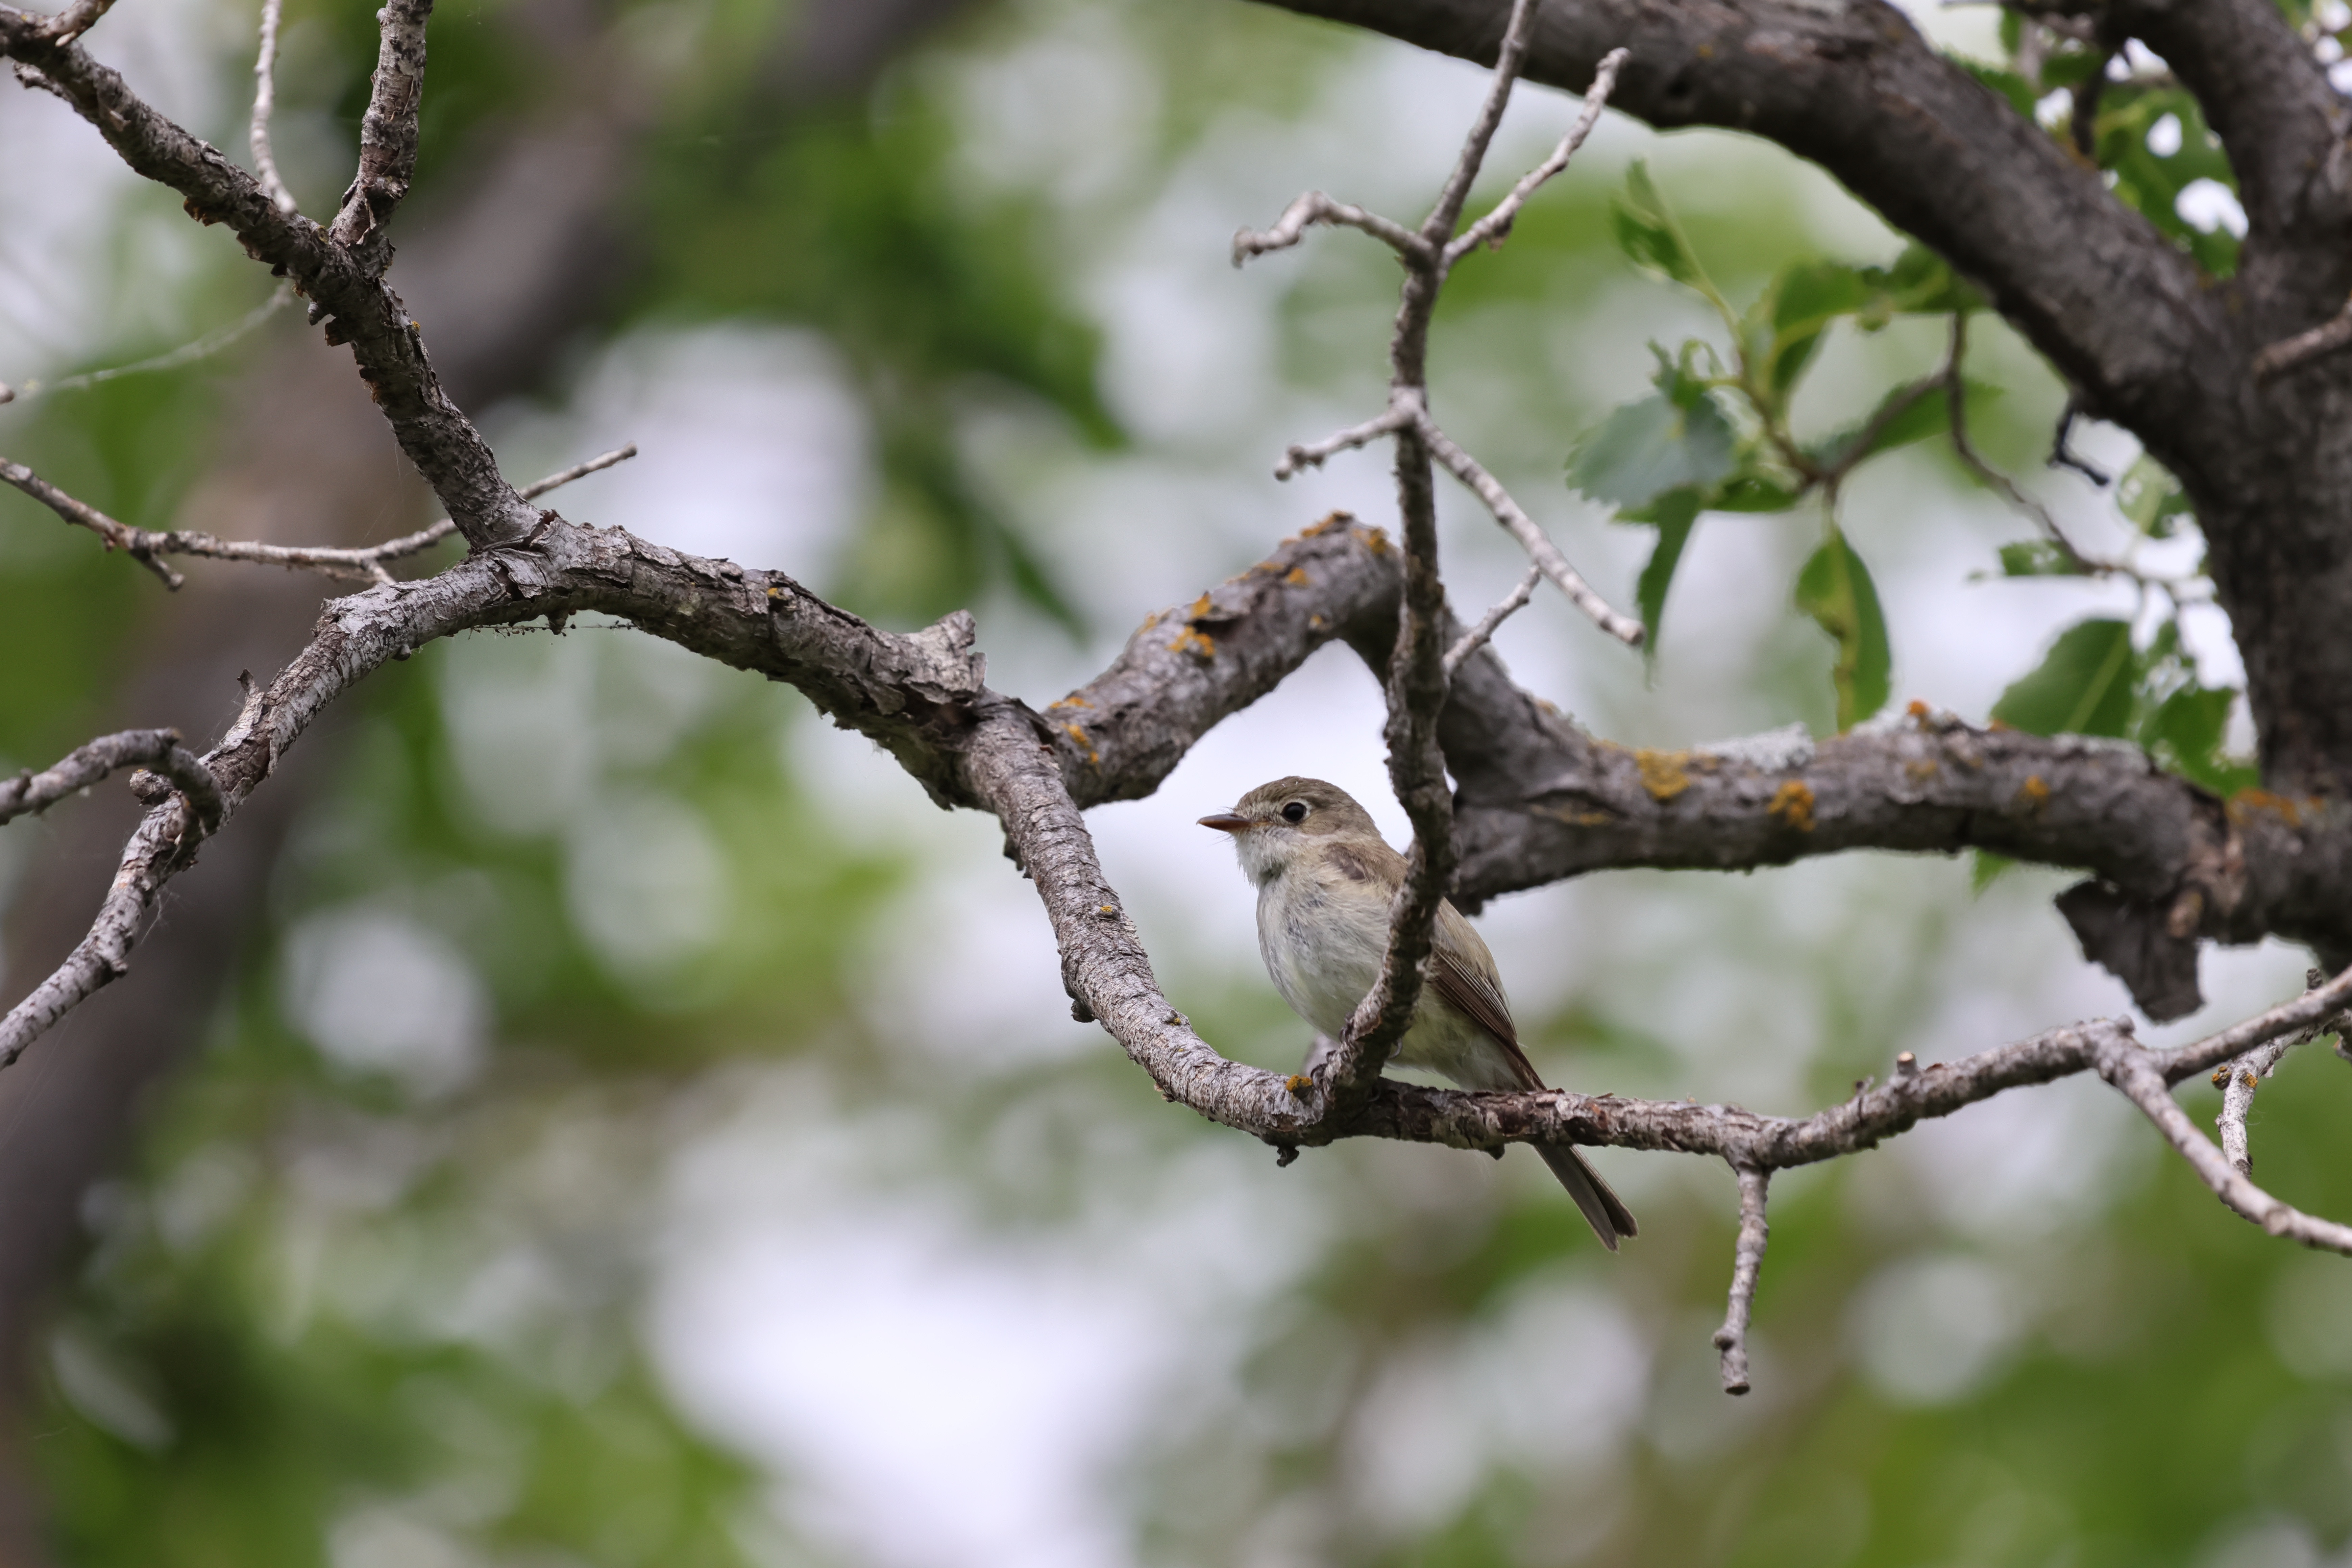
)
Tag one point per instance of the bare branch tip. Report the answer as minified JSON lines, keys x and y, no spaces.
{"x":1747,"y":1265}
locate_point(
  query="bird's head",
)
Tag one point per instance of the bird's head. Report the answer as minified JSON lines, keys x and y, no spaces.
{"x":1275,"y":823}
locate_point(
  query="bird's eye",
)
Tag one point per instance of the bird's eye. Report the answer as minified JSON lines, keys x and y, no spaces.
{"x":1295,"y":811}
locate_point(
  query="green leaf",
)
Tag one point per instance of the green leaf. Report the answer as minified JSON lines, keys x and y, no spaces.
{"x":1905,"y":415}
{"x":1920,"y":283}
{"x":1986,"y":869}
{"x":1751,"y":491}
{"x":2149,"y":183}
{"x":1678,"y":439}
{"x":2152,"y":497}
{"x":2037,"y":558}
{"x":1798,"y":307}
{"x":1835,"y":589}
{"x":2185,"y":734}
{"x":2083,"y":686}
{"x":2070,"y":68}
{"x":1649,"y":235}
{"x":1674,"y":513}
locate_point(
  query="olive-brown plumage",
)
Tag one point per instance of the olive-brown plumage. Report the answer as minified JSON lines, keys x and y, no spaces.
{"x":1325,"y":880}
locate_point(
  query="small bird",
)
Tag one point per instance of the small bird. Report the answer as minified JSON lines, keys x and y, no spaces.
{"x":1325,"y":880}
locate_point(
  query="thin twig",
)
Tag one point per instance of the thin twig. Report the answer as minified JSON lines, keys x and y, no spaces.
{"x":557,"y":480}
{"x":1505,"y":608}
{"x":265,"y":101}
{"x":2240,"y":1078}
{"x":1896,"y":405}
{"x":1312,"y":456}
{"x":1532,"y":539}
{"x":1315,"y":207}
{"x":363,"y":563}
{"x":159,"y":750}
{"x":1495,"y":226}
{"x":2137,"y":1076}
{"x":1438,"y":227}
{"x":1955,"y":394}
{"x":2288,"y":353}
{"x":138,"y":542}
{"x":1746,"y":1263}
{"x":187,"y":353}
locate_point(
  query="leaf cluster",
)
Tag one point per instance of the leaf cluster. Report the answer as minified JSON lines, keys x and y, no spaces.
{"x":1717,"y":437}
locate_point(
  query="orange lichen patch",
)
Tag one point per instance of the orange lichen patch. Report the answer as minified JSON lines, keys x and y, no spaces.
{"x":1298,"y":1083}
{"x":1297,"y":577}
{"x":1792,"y":805}
{"x":2247,"y":801}
{"x":1575,"y":816}
{"x":1317,"y":622}
{"x":1076,"y":733}
{"x":1662,"y":773}
{"x":2034,"y":792}
{"x":1202,"y":609}
{"x":1376,"y":542}
{"x":1196,"y":642}
{"x":1920,"y":769}
{"x":1329,"y":522}
{"x":1074,"y":699}
{"x":1918,"y":710}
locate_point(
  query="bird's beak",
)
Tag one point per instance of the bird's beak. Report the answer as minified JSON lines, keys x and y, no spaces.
{"x":1225,"y":821}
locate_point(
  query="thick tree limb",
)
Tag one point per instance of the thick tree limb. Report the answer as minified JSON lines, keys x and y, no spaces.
{"x":1539,"y":800}
{"x":2282,"y":123}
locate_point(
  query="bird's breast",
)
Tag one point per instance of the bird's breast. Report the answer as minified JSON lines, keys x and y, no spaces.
{"x":1322,"y":945}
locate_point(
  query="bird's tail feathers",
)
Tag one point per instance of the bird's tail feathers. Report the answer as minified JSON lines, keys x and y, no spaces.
{"x":1603,"y":1210}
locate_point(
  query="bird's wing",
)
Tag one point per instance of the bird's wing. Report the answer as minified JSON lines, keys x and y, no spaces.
{"x":1479,"y":995}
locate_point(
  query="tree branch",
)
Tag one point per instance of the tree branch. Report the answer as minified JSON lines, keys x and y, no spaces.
{"x":1746,"y":1263}
{"x":349,"y":563}
{"x":1315,"y":207}
{"x":1531,"y":537}
{"x":139,"y":544}
{"x":2240,"y":1078}
{"x":1478,"y":637}
{"x":159,"y":750}
{"x":2281,"y":122}
{"x":388,"y":346}
{"x":1495,"y":226}
{"x":1856,"y":90}
{"x":1539,"y":800}
{"x":387,"y":136}
{"x":264,"y":103}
